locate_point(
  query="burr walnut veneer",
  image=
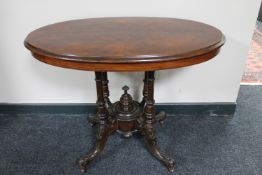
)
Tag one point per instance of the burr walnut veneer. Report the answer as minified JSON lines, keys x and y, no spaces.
{"x":125,"y":44}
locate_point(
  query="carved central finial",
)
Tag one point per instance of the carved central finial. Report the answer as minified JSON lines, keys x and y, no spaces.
{"x":125,"y":88}
{"x":126,"y":100}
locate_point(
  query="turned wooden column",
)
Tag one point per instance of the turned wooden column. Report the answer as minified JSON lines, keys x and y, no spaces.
{"x":101,"y":108}
{"x":145,"y":90}
{"x":149,"y":97}
{"x":105,"y":89}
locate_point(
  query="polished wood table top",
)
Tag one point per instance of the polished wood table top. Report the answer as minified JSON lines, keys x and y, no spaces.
{"x":125,"y":43}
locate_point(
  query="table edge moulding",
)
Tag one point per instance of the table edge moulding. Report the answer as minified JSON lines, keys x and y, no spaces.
{"x":95,"y":60}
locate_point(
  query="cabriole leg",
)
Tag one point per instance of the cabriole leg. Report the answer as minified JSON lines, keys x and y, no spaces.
{"x":105,"y":128}
{"x":149,"y":118}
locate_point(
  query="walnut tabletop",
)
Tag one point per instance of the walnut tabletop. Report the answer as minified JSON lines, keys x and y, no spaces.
{"x":125,"y":43}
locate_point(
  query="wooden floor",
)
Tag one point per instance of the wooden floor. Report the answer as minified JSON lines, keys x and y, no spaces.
{"x":253,"y":70}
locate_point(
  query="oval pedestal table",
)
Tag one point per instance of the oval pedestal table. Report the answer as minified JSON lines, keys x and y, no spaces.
{"x":125,"y":44}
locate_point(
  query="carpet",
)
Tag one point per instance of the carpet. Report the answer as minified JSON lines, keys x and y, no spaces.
{"x":201,"y":145}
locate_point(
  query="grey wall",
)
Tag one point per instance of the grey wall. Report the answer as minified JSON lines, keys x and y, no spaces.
{"x":25,"y":80}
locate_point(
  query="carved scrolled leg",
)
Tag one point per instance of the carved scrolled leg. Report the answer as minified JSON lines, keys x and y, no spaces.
{"x":149,"y":134}
{"x":160,"y":117}
{"x":105,"y":127}
{"x":93,"y":119}
{"x":102,"y":136}
{"x":148,"y":130}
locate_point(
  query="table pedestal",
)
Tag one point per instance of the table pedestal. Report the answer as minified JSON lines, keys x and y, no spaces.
{"x":125,"y":117}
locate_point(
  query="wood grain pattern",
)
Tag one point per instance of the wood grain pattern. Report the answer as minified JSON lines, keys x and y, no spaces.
{"x":125,"y":44}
